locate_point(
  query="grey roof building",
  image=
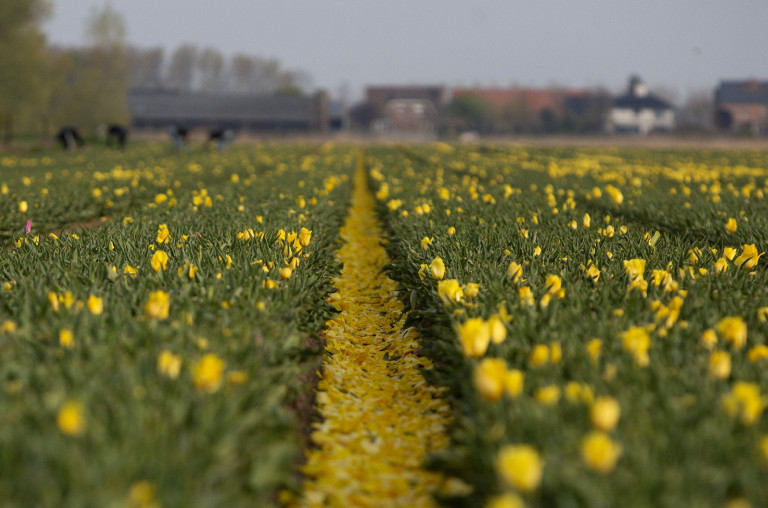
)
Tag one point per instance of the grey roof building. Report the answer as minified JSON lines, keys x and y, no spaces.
{"x":742,"y":92}
{"x":158,"y":109}
{"x":742,"y":106}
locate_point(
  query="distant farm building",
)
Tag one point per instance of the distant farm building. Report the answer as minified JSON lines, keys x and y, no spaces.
{"x":410,"y":110}
{"x":640,"y":112}
{"x":158,"y":109}
{"x":742,"y":106}
{"x":410,"y":115}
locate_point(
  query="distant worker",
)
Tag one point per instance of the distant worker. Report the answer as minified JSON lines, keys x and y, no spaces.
{"x":70,"y":138}
{"x":118,"y":135}
{"x":179,"y":136}
{"x":222,"y":137}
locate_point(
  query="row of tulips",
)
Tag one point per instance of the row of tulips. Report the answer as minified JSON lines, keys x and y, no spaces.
{"x":599,"y":317}
{"x":154,"y":360}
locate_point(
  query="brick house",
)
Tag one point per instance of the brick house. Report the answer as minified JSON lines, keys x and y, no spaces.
{"x":742,"y":106}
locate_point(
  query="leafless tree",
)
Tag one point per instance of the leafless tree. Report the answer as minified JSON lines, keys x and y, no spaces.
{"x":145,"y":67}
{"x":698,"y":111}
{"x":181,"y":71}
{"x":241,"y":70}
{"x":210,"y":63}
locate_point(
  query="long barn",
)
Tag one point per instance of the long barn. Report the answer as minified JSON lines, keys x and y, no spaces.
{"x":159,"y":109}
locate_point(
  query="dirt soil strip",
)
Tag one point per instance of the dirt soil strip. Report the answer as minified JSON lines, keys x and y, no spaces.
{"x":380,"y":418}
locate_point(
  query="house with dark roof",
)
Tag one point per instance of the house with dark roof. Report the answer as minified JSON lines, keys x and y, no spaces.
{"x":742,"y":106}
{"x":155,"y":109}
{"x":638,"y":111}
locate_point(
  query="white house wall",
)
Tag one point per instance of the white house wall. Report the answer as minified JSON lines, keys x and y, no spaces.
{"x":645,"y":120}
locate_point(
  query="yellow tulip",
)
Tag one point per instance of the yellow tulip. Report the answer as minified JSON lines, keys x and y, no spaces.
{"x":520,"y":466}
{"x":207,"y":373}
{"x":489,"y":378}
{"x":636,"y":341}
{"x":604,"y":413}
{"x":449,"y":291}
{"x":158,"y":305}
{"x":70,"y":418}
{"x":748,"y":257}
{"x":734,"y":330}
{"x":169,"y":364}
{"x":437,"y":268}
{"x":547,"y":395}
{"x":514,"y":380}
{"x":599,"y":452}
{"x":475,"y":337}
{"x":95,"y":305}
{"x":719,"y":365}
{"x":515,"y":271}
{"x":305,"y":235}
{"x":539,"y":356}
{"x":744,"y":402}
{"x":159,"y":261}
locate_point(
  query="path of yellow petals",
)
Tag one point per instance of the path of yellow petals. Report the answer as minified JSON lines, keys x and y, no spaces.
{"x":379,"y":417}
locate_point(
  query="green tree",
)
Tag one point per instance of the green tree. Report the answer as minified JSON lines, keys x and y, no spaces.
{"x":90,"y":85}
{"x":471,"y":112}
{"x":517,"y":117}
{"x":22,"y":63}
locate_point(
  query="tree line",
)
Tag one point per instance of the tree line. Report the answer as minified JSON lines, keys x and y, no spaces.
{"x":206,"y":69}
{"x":44,"y":87}
{"x":580,"y":115}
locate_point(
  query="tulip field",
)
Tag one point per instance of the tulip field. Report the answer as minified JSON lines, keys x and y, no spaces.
{"x":559,"y":326}
{"x":598,"y":316}
{"x":153,"y":360}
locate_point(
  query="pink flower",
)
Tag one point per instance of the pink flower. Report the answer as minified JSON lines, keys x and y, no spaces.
{"x":28,"y":227}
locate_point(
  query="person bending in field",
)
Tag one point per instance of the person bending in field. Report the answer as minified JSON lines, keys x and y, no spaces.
{"x":70,"y":138}
{"x":179,"y":136}
{"x":117,"y":135}
{"x":222,"y":137}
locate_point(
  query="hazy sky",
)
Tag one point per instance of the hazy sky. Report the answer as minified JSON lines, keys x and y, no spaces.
{"x":681,"y":45}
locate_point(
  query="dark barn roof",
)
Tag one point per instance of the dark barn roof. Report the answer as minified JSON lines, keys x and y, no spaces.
{"x":742,"y":92}
{"x":160,"y":108}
